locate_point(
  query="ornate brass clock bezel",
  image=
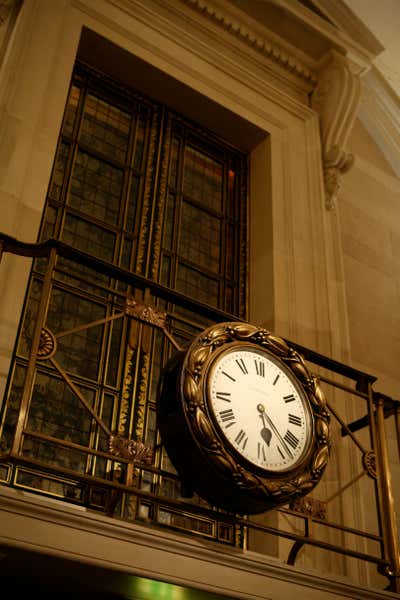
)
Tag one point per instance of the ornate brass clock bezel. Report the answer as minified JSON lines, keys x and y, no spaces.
{"x":195,"y":445}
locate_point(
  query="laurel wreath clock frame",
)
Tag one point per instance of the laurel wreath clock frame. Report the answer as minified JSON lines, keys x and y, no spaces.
{"x":276,"y":489}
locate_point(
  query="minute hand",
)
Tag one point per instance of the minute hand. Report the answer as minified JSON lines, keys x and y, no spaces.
{"x":278,"y":435}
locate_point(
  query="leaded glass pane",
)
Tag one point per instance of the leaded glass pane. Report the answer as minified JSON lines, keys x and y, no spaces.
{"x":197,"y":285}
{"x":140,"y":139}
{"x":56,"y":410}
{"x":89,"y":237}
{"x":200,"y":240}
{"x":132,"y":204}
{"x":173,"y":169}
{"x":12,"y":408}
{"x":202,"y":179}
{"x":169,"y":222}
{"x":59,"y":171}
{"x":95,"y":188}
{"x":78,"y":352}
{"x":114,"y":357}
{"x":31,"y":310}
{"x":71,"y":112}
{"x":105,"y":128}
{"x":141,"y":188}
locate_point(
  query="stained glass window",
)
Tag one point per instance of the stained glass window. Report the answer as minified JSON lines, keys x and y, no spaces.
{"x":137,"y":186}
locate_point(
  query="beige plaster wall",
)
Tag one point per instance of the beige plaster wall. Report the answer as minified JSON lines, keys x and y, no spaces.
{"x":370,"y":232}
{"x":369,"y":210}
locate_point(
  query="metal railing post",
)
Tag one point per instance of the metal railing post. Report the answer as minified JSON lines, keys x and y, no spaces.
{"x":30,"y":373}
{"x":389,"y":515}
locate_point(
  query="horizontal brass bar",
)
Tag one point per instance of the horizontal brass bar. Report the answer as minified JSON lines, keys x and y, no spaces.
{"x":193,"y":509}
{"x":15,"y":246}
{"x":344,"y":528}
{"x":100,"y":453}
{"x":343,"y":387}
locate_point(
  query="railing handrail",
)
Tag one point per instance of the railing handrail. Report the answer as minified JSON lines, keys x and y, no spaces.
{"x":40,"y":249}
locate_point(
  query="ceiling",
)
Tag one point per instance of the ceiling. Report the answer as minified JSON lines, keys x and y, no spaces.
{"x":383,"y":20}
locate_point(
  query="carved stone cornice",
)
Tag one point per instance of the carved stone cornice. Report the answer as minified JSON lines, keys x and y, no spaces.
{"x":262,"y":42}
{"x":336,"y":99}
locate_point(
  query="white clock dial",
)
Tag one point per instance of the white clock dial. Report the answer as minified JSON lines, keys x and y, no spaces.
{"x":259,"y":408}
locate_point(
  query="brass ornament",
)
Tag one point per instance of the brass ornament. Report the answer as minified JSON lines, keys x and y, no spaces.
{"x":310,"y":507}
{"x":130,"y":449}
{"x":277,"y":488}
{"x":369,"y":464}
{"x":47,"y":345}
{"x":146,"y":314}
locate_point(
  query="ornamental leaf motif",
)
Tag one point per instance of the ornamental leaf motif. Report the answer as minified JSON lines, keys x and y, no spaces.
{"x":278,"y":344}
{"x":322,"y":430}
{"x":320,"y":460}
{"x":203,"y":428}
{"x":215,"y":333}
{"x":319,"y":396}
{"x":199,"y":356}
{"x":301,"y":371}
{"x":224,"y":463}
{"x":190,"y":389}
{"x":244,"y":330}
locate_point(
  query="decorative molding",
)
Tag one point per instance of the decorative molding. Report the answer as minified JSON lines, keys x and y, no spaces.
{"x":345,"y":20}
{"x":265,"y":44}
{"x":336,"y":98}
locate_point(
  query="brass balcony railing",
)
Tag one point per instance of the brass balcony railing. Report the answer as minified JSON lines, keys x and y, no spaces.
{"x":131,"y":463}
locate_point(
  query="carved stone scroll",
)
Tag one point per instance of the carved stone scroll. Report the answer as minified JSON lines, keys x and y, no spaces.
{"x":336,"y":98}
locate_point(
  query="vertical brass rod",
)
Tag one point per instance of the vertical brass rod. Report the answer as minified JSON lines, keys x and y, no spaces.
{"x":389,"y":516}
{"x":397,"y":425}
{"x":378,"y":491}
{"x":30,"y":373}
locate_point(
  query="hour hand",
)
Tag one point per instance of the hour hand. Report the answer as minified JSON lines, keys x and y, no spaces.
{"x":266,"y":435}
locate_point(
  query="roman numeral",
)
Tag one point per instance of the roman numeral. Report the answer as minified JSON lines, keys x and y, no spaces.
{"x":291,"y":439}
{"x":228,"y":417}
{"x":276,"y":379}
{"x":228,"y":376}
{"x":280,"y":452}
{"x":241,"y":439}
{"x":294,"y":420}
{"x":242,"y":366}
{"x":223,"y":396}
{"x":260,"y":367}
{"x":289,"y":398}
{"x":261,"y":451}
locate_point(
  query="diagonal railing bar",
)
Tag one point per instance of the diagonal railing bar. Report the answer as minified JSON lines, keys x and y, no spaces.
{"x":88,"y":325}
{"x":345,"y":487}
{"x":345,"y":427}
{"x":80,"y":396}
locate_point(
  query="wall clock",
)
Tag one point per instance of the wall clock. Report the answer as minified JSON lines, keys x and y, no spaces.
{"x":242,"y":419}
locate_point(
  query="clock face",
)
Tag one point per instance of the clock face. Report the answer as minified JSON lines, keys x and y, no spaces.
{"x":259,"y":408}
